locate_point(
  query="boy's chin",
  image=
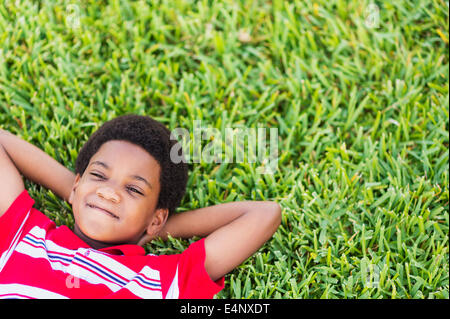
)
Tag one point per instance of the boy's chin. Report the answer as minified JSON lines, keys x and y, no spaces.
{"x":91,"y":239}
{"x":94,"y":240}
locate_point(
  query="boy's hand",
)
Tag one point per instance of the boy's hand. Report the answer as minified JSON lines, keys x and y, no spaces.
{"x":234,"y":231}
{"x":36,"y":165}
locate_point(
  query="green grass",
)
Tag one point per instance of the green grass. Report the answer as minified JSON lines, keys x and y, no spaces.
{"x":361,"y":110}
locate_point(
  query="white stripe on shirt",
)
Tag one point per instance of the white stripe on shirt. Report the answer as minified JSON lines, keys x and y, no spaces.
{"x":5,"y":256}
{"x":174,"y":292}
{"x":24,"y":292}
{"x":91,"y":265}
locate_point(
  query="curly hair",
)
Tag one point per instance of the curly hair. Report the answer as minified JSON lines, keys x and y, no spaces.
{"x":152,"y":136}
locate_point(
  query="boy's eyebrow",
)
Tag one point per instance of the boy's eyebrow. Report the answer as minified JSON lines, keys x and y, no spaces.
{"x":100,"y":163}
{"x":143,"y":180}
{"x":137,"y":177}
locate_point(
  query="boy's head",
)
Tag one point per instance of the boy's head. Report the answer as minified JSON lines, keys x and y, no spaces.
{"x":126,"y":184}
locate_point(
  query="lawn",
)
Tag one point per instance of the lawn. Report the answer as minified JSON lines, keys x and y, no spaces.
{"x":358,"y":92}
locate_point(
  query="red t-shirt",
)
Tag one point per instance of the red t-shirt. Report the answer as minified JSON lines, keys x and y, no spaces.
{"x":40,"y":260}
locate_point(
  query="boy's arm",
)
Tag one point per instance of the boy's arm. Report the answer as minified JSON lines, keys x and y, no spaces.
{"x":36,"y":165}
{"x":234,"y":231}
{"x":11,"y":184}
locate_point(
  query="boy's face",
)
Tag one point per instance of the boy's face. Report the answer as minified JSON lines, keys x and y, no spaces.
{"x":123,"y":179}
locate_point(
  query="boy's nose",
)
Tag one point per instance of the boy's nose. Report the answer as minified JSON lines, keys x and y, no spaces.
{"x":108,"y":193}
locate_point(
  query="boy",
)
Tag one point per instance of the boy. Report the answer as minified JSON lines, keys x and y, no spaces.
{"x":123,"y":195}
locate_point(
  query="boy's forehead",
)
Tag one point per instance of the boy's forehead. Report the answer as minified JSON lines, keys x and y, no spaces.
{"x":124,"y":148}
{"x":126,"y":155}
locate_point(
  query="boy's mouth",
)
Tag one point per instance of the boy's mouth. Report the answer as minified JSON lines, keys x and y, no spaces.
{"x":102,"y":210}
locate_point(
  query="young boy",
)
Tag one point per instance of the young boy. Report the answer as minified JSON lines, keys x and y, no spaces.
{"x":123,"y":195}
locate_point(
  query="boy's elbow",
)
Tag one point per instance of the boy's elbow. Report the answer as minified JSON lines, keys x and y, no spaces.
{"x":274,"y":213}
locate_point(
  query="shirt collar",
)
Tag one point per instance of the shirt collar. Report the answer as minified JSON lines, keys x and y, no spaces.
{"x":127,"y":250}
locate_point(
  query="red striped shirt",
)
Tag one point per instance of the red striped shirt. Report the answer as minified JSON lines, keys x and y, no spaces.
{"x":40,"y":260}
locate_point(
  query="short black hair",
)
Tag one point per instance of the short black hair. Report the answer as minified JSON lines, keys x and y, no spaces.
{"x":153,"y":137}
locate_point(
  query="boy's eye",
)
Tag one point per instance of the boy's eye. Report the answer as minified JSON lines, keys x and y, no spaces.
{"x":134,"y":190}
{"x":97,"y":175}
{"x":131,"y":189}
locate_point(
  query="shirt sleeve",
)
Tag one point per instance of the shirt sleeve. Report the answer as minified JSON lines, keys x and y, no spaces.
{"x":193,"y":280}
{"x":12,"y":223}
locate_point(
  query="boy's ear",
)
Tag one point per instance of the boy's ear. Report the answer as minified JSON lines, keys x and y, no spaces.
{"x":74,"y":186}
{"x":154,"y":227}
